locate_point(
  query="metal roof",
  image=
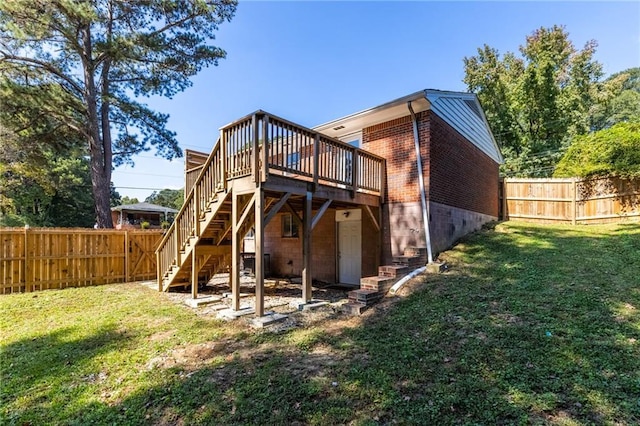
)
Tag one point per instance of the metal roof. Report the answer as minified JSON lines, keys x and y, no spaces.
{"x":460,"y":110}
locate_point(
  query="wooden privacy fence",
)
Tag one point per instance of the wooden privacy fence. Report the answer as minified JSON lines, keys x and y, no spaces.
{"x":571,"y":200}
{"x":44,"y":258}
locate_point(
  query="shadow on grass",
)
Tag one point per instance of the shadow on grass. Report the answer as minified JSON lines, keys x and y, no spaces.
{"x":532,"y":325}
{"x":541,"y":327}
{"x":45,"y":365}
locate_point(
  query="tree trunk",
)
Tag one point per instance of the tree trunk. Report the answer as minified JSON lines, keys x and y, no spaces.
{"x":100,"y":167}
{"x":101,"y":186}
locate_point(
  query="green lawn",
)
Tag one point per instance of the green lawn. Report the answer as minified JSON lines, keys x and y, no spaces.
{"x":531,"y":325}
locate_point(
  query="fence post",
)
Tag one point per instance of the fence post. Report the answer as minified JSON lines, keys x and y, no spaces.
{"x":27,"y":283}
{"x":574,"y":197}
{"x":126,"y":256}
{"x":505,"y":216}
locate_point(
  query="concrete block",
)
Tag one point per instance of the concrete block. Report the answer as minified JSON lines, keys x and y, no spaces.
{"x":201,"y":301}
{"x":230,"y":314}
{"x":354,"y":308}
{"x":436,"y":267}
{"x":228,"y":295}
{"x":268,"y":320}
{"x":305,"y":306}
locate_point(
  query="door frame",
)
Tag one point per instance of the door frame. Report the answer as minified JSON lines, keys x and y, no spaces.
{"x":348,"y":215}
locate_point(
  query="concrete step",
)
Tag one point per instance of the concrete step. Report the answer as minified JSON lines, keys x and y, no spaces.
{"x":378,"y":284}
{"x":354,"y":308}
{"x":393,"y":271}
{"x":410,"y":261}
{"x":367,"y":297}
{"x":415,"y":251}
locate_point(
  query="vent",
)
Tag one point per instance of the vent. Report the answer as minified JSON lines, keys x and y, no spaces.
{"x":474,"y":107}
{"x":338,"y":128}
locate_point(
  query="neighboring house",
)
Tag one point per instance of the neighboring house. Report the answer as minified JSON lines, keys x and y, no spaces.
{"x":130,"y":216}
{"x":340,"y":201}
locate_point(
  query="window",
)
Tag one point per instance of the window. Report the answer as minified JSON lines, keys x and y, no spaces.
{"x":353,"y":139}
{"x":292,"y":160}
{"x":289,"y":226}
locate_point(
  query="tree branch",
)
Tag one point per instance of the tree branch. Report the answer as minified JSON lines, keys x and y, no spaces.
{"x":43,"y":65}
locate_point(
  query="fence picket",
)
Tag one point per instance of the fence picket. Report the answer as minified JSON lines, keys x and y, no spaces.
{"x":45,"y":258}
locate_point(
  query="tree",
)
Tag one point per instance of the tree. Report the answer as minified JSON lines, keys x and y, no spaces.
{"x":126,"y":200}
{"x":84,"y":64}
{"x":536,"y":102}
{"x":610,"y":152}
{"x":43,"y":185}
{"x":167,"y":197}
{"x":621,"y":102}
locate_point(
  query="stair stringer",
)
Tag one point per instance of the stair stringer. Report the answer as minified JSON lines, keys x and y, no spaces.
{"x":213,"y":208}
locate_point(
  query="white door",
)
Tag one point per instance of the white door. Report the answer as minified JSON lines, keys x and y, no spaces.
{"x":349,"y":251}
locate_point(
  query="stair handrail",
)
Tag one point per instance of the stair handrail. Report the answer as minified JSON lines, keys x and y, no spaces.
{"x":187,"y":204}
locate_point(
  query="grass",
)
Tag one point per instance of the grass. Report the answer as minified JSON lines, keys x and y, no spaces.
{"x":531,"y":325}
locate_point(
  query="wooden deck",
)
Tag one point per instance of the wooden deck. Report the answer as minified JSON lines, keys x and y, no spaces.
{"x":260,"y":165}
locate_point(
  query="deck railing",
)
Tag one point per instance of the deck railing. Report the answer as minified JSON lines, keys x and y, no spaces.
{"x":186,"y":223}
{"x":296,"y":151}
{"x":290,"y":150}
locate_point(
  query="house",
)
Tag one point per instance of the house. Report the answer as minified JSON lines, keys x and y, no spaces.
{"x":349,"y":201}
{"x":130,"y":216}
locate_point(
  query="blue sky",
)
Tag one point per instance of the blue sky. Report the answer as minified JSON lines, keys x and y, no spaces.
{"x":311,"y":62}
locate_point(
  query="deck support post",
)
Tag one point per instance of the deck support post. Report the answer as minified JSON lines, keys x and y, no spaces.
{"x":259,"y":242}
{"x":194,"y":272}
{"x":307,"y":220}
{"x":235,"y":254}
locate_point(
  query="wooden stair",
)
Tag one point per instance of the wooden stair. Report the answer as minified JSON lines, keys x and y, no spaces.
{"x":373,"y":288}
{"x":203,"y":223}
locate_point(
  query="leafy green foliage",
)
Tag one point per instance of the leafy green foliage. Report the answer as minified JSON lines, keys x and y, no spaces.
{"x":79,"y":63}
{"x":173,"y":198}
{"x":537,"y":101}
{"x":621,"y":102}
{"x":520,"y":330}
{"x":127,"y":200}
{"x":43,"y":184}
{"x":609,"y":152}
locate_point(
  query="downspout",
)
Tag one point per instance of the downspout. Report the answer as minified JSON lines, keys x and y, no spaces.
{"x":423,"y":197}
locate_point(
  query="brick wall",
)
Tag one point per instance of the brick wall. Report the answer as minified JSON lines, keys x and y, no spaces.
{"x":286,"y":253}
{"x":456,"y":174}
{"x":401,"y":214}
{"x":461,"y":175}
{"x":393,"y":141}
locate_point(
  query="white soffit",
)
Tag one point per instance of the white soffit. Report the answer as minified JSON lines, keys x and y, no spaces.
{"x":386,"y":112}
{"x":463,"y":112}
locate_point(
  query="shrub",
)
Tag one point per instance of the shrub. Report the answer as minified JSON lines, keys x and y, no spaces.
{"x":609,"y":152}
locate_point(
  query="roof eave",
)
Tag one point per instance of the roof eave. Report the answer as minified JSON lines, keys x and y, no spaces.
{"x":370,"y":111}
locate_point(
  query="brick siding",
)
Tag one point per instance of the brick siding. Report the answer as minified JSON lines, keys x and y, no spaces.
{"x":461,"y":175}
{"x":456,"y":174}
{"x":286,"y":253}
